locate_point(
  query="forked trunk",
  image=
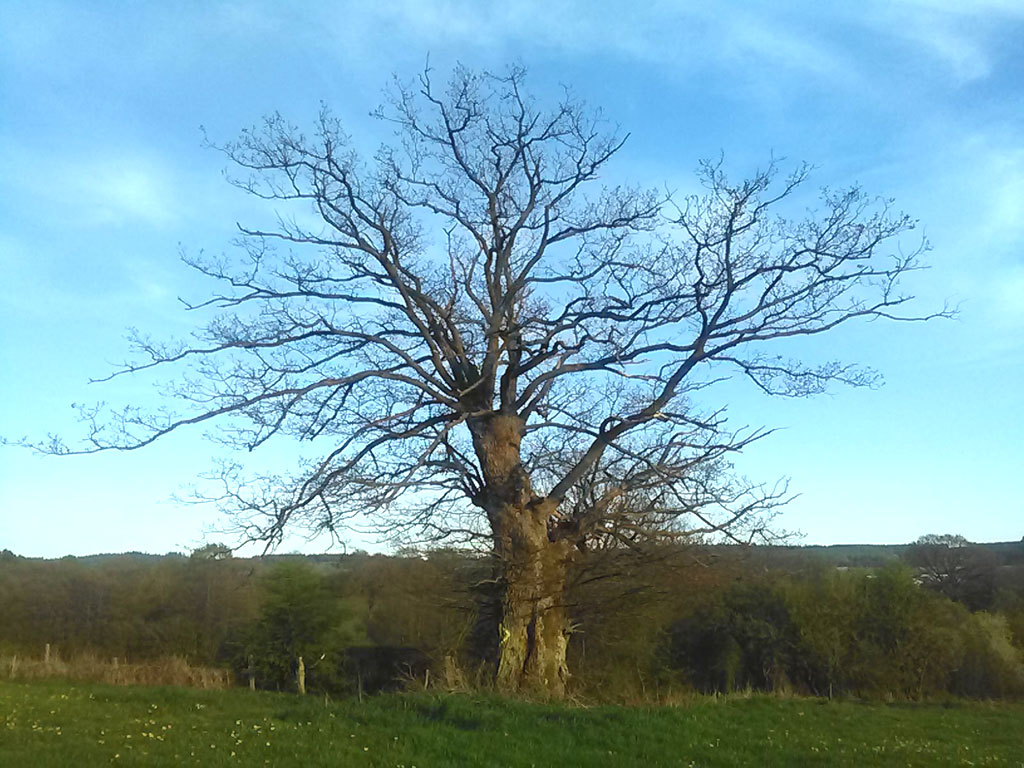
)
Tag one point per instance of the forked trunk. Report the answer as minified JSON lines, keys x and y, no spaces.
{"x":532,"y":623}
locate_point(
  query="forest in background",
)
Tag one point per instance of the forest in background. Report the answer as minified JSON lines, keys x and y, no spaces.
{"x":939,"y":617}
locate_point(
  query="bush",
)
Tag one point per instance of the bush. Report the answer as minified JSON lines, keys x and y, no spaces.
{"x":991,"y":666}
{"x":746,"y":639}
{"x":299,"y":618}
{"x":870,"y":634}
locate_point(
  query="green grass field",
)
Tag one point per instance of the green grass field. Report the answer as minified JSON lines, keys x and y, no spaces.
{"x":63,"y":724}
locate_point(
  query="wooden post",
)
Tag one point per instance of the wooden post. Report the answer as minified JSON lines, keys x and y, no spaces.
{"x":252,"y":673}
{"x":46,"y":655}
{"x":14,"y":665}
{"x":301,"y":675}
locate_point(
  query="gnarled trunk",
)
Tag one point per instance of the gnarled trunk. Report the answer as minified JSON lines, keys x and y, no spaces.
{"x":532,"y":624}
{"x":533,"y":632}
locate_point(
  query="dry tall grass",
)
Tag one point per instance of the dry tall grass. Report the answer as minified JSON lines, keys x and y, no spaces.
{"x":172,"y":670}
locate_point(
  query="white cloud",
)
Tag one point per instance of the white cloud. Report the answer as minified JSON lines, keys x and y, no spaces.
{"x":759,"y":49}
{"x":774,"y":44}
{"x":972,"y":194}
{"x":92,"y":187}
{"x":117,"y":191}
{"x":957,"y":34}
{"x":758,"y":37}
{"x":668,"y":33}
{"x":984,"y":178}
{"x":947,"y":39}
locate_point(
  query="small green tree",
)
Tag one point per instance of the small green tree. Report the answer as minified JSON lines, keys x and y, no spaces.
{"x":299,"y":617}
{"x":824,"y":610}
{"x":992,"y":665}
{"x":907,"y":640}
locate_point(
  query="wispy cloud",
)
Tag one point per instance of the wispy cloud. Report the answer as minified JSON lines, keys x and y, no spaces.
{"x":972,"y":194}
{"x":757,"y":37}
{"x":957,"y":35}
{"x":669,"y":33}
{"x":93,"y":187}
{"x":116,"y":192}
{"x":982,"y":178}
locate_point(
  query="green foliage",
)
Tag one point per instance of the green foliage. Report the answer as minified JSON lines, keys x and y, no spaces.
{"x":870,"y":634}
{"x":417,"y":599}
{"x":991,"y":665}
{"x":746,"y":639}
{"x":621,"y":604}
{"x":125,"y":607}
{"x":646,"y":627}
{"x":299,"y":617}
{"x":905,"y":638}
{"x":824,"y":610}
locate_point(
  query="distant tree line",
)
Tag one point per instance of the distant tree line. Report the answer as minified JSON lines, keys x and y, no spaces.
{"x":938,"y":617}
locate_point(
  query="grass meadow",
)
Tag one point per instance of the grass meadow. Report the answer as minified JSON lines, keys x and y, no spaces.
{"x":65,"y":724}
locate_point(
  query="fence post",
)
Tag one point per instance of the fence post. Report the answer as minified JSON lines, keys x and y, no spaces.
{"x":301,"y":675}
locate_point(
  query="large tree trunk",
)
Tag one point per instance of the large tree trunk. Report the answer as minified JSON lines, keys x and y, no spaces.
{"x":532,"y":631}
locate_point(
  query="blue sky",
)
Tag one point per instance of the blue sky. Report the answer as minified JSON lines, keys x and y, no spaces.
{"x":104,"y":179}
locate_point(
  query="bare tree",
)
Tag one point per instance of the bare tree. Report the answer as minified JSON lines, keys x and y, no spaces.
{"x":487,"y":349}
{"x":952,"y":566}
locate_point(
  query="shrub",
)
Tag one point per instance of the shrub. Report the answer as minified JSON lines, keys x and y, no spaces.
{"x":992,"y":666}
{"x":299,"y":617}
{"x":746,"y":639}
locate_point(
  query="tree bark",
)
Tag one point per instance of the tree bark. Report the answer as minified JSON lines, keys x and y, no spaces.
{"x":533,"y":629}
{"x":532,"y":626}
